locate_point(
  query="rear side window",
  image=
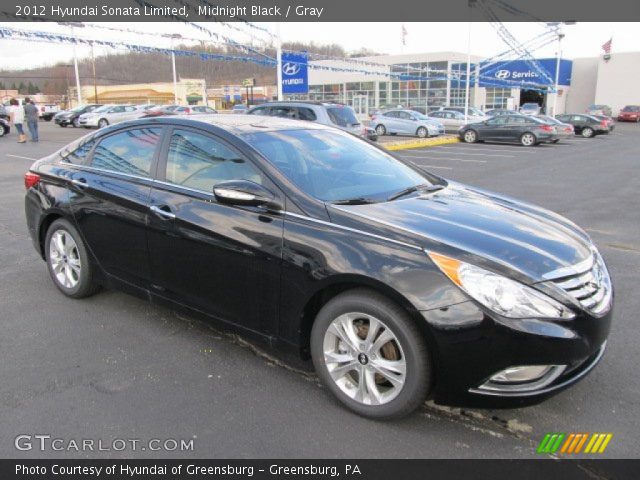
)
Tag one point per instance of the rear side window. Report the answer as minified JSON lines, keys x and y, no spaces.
{"x":342,"y":116}
{"x":200,"y":162}
{"x":259,"y":111}
{"x":130,"y":152}
{"x":305,"y":113}
{"x":78,"y":155}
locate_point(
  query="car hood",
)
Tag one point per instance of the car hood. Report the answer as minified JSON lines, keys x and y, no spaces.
{"x":483,"y":228}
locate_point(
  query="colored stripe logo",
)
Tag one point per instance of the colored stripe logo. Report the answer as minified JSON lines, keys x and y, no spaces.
{"x":573,"y":443}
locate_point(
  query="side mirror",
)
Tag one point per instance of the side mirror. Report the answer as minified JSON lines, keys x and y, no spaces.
{"x":245,"y":192}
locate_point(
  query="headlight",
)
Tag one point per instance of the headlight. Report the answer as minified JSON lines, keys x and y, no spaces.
{"x":500,"y":294}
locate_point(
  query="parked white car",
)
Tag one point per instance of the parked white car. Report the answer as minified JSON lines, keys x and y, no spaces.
{"x":530,"y":109}
{"x":453,"y":120}
{"x":108,"y":115}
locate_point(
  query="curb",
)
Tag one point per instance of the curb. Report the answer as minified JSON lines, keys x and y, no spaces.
{"x":427,"y":142}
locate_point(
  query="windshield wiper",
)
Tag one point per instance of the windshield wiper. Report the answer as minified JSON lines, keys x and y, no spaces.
{"x":426,"y":187}
{"x":354,"y":201}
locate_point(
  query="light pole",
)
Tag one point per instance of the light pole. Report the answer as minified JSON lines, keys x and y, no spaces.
{"x":173,"y":36}
{"x":468,"y":79}
{"x":279,"y":61}
{"x":71,"y":25}
{"x":560,"y":35}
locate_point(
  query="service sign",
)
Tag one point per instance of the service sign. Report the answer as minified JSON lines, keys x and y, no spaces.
{"x":523,"y":74}
{"x":295,"y":77}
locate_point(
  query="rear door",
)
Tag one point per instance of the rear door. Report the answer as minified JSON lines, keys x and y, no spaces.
{"x":391,"y":121}
{"x":406,"y":123}
{"x":493,"y":129}
{"x":221,"y":259}
{"x":109,"y":199}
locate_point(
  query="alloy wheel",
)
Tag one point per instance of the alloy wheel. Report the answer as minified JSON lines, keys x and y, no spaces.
{"x":103,"y":123}
{"x":381,"y":130}
{"x":587,"y":133}
{"x":364,"y":358}
{"x":527,"y":139}
{"x":422,"y":132}
{"x":64,"y":258}
{"x":470,"y":136}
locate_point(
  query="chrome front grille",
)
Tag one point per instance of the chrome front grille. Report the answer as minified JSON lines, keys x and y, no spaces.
{"x":588,"y":283}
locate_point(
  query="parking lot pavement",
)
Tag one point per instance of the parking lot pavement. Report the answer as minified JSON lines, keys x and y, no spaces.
{"x":113,"y":366}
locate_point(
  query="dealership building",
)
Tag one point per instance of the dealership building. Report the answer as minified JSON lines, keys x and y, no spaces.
{"x":439,"y":79}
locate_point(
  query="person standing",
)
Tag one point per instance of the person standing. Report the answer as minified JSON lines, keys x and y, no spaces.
{"x":31,"y":113}
{"x":16,"y":115}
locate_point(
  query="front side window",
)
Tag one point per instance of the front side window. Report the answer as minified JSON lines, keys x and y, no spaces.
{"x":200,"y":162}
{"x":334,"y":166}
{"x":129,"y":152}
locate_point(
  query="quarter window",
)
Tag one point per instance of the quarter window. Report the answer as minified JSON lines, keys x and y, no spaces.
{"x":79,"y":155}
{"x":129,"y":152}
{"x":200,"y":162}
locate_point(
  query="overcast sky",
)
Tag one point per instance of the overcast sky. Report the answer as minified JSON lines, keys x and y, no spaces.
{"x":581,"y":40}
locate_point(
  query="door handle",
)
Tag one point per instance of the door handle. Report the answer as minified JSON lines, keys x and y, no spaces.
{"x":80,"y":182}
{"x":161,"y":212}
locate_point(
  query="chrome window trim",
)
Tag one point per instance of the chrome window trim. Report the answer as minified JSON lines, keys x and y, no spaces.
{"x":104,"y":170}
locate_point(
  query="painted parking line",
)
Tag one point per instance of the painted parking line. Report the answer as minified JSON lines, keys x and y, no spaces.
{"x":481,"y":148}
{"x":468,"y":160}
{"x":457,"y":152}
{"x":431,"y":166}
{"x":20,"y":156}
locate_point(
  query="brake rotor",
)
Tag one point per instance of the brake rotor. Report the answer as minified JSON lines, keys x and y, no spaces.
{"x":389,"y":351}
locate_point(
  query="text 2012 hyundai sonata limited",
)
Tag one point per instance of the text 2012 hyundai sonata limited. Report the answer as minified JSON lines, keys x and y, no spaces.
{"x":398,"y":284}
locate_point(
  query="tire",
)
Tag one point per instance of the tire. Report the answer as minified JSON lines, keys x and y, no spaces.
{"x":386,"y":395}
{"x":528,"y":139}
{"x":64,"y":125}
{"x":555,"y":141}
{"x":381,"y":130}
{"x":103,"y":122}
{"x":76,"y":123}
{"x":470,"y":136}
{"x":68,"y":260}
{"x":3,"y":132}
{"x":422,"y":132}
{"x":587,"y":132}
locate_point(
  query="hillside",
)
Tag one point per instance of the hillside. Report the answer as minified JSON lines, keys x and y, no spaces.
{"x":133,"y":67}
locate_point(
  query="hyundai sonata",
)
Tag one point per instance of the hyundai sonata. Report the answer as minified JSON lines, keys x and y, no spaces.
{"x":397,"y":284}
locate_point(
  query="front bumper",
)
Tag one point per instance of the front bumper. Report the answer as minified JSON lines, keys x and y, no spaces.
{"x":88,"y":122}
{"x":62,"y":121}
{"x":472,"y":345}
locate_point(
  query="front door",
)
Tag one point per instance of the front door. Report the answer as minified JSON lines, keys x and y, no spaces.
{"x":221,"y":259}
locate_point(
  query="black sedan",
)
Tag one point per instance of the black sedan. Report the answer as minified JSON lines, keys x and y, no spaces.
{"x":5,"y":127}
{"x":586,"y":125}
{"x":72,"y":117}
{"x":523,"y":129}
{"x":399,"y":285}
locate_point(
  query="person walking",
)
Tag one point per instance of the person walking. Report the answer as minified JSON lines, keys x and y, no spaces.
{"x":31,"y":114}
{"x":16,"y":115}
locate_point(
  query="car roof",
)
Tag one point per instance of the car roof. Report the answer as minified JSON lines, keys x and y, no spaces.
{"x":237,"y":124}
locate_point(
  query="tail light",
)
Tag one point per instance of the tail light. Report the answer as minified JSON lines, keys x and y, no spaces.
{"x":604,"y":124}
{"x":547,"y":128}
{"x":187,"y":110}
{"x":374,"y":117}
{"x":31,"y":180}
{"x":42,"y":109}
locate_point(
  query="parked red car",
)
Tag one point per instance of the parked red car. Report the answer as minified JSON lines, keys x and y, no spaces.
{"x":630,"y":113}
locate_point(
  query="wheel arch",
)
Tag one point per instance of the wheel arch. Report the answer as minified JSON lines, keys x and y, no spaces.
{"x":45,"y":223}
{"x":343,"y":283}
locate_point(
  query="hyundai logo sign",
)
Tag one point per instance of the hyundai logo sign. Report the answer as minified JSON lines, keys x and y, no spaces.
{"x":290,"y":68}
{"x":503,"y":74}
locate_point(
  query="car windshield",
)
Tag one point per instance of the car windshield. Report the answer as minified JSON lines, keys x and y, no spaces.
{"x":631,"y":108}
{"x":530,"y":106}
{"x":333,"y":166}
{"x":342,"y":116}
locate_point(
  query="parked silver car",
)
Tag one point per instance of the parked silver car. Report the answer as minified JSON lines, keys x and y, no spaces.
{"x":326,"y":113}
{"x":563,"y":130}
{"x":108,"y":115}
{"x":530,"y":109}
{"x":451,"y":120}
{"x":406,"y":122}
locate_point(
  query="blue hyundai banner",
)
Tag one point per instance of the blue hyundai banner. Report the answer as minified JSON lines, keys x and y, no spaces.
{"x":523,"y":74}
{"x":295,"y":77}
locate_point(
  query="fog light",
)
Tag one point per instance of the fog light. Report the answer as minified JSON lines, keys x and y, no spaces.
{"x":518,"y":379}
{"x":521,"y":374}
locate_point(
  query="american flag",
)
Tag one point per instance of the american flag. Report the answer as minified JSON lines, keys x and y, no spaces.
{"x":607,"y":46}
{"x":404,"y":35}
